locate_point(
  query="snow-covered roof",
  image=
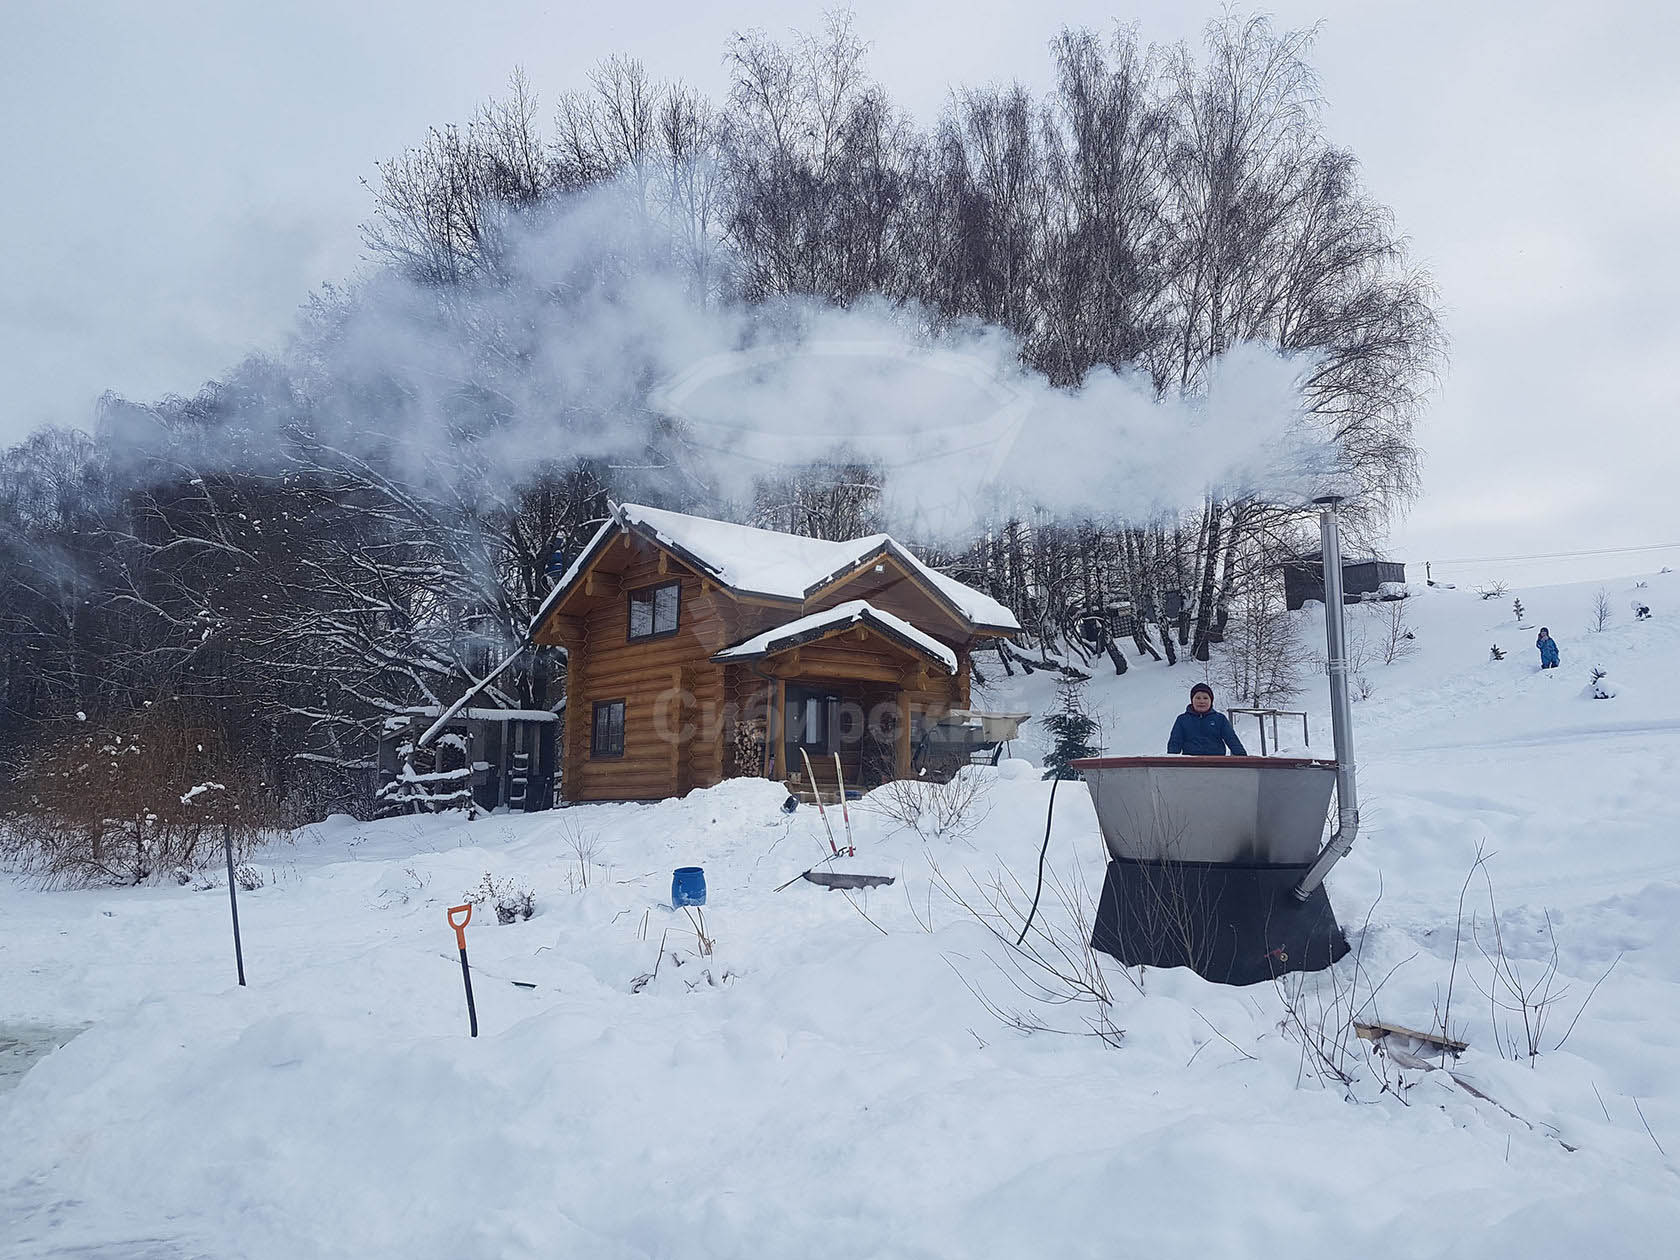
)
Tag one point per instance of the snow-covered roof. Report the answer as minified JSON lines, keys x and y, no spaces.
{"x":766,"y":562}
{"x":817,"y":624}
{"x":486,"y":715}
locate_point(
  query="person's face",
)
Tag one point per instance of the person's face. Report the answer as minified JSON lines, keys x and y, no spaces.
{"x":1201,"y":702}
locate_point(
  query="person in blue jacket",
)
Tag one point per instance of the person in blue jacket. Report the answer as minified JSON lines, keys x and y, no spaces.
{"x":1203,"y":731}
{"x":1548,"y":649}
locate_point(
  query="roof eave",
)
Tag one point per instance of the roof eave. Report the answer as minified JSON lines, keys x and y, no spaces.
{"x":775,"y":648}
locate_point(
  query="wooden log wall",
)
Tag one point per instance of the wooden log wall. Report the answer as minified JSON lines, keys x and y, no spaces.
{"x":680,"y":706}
{"x":673,"y":692}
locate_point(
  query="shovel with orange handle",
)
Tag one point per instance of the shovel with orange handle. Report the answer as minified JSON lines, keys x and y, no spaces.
{"x":466,"y":972}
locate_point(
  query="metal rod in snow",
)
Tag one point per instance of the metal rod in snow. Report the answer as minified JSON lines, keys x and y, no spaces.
{"x":1341,"y":707}
{"x":449,"y":713}
{"x":233,"y":900}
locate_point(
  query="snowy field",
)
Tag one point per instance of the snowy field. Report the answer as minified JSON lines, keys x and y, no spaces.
{"x":820,"y":1076}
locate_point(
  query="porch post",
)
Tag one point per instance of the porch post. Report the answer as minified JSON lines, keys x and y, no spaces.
{"x":778,"y":730}
{"x":902,"y":769}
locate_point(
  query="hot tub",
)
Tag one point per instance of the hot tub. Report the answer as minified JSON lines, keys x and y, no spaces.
{"x":1249,"y":811}
{"x":1205,"y":854}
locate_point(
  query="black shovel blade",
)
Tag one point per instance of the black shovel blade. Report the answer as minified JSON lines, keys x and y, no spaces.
{"x":845,"y":879}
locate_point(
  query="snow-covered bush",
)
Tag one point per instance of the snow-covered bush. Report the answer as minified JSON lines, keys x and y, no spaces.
{"x":511,"y":898}
{"x":947,"y":811}
{"x":1600,"y":687}
{"x":1496,"y":652}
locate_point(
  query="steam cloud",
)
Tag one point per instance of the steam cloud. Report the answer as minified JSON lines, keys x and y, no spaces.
{"x":580,"y":345}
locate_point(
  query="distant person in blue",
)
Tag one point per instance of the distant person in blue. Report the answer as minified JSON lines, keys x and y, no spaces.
{"x":1548,"y":649}
{"x":1203,"y":731}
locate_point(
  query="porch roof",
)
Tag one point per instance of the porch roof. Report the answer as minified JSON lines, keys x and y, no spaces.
{"x":820,"y":625}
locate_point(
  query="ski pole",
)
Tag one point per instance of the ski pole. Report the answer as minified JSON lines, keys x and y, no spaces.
{"x":466,"y":971}
{"x":827,"y":826}
{"x":846,"y":813}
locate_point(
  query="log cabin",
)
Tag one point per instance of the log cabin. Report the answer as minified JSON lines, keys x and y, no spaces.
{"x":699,"y":650}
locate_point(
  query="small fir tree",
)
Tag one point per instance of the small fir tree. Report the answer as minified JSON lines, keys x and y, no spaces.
{"x":1498,"y":652}
{"x":1516,"y":605}
{"x":1073,"y":728}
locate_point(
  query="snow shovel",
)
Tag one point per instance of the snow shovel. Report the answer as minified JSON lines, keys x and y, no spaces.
{"x":466,"y":972}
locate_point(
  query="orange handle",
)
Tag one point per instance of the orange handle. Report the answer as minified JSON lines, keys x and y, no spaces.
{"x":461,"y":927}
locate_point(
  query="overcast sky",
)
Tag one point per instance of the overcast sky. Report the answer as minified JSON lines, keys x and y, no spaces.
{"x":182,"y":175}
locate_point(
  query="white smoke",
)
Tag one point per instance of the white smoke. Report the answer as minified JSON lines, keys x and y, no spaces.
{"x":573,"y":352}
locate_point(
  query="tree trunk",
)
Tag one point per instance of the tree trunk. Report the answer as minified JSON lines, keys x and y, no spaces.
{"x":1167,"y":643}
{"x":1210,"y":572}
{"x":1115,"y":655}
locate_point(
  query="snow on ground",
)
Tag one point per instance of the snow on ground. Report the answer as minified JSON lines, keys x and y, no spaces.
{"x":825,"y":1082}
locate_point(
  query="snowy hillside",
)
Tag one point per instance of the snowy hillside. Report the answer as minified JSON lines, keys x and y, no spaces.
{"x":811,"y":1073}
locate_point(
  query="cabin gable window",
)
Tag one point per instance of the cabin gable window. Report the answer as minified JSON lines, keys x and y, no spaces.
{"x":607,"y":729}
{"x":654,"y":610}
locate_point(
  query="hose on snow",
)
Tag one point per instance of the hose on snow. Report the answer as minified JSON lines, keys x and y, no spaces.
{"x":1043,"y":849}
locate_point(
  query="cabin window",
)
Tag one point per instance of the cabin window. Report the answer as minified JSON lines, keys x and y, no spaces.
{"x":653,"y":610}
{"x":608,"y":737}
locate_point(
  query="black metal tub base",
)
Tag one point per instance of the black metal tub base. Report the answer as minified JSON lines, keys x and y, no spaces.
{"x":1231,"y":924}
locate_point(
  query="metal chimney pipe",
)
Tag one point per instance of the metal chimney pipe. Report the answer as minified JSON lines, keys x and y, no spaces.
{"x":1341,"y":709}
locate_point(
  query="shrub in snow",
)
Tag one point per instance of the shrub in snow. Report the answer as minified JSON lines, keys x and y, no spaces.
{"x":1641,"y":611}
{"x":1393,"y":590}
{"x":511,"y":898}
{"x":931,"y":809}
{"x":1395,"y":638}
{"x":1601,"y":614}
{"x":1493,"y":590}
{"x":585,"y":848}
{"x":248,"y":878}
{"x":1600,"y":688}
{"x":142,"y":796}
{"x":1516,"y":607}
{"x":1498,"y":652}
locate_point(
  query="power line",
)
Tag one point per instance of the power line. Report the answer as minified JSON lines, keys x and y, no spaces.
{"x":1562,"y":555}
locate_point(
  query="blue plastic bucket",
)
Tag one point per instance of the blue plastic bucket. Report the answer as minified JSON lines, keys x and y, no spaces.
{"x":688,"y":887}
